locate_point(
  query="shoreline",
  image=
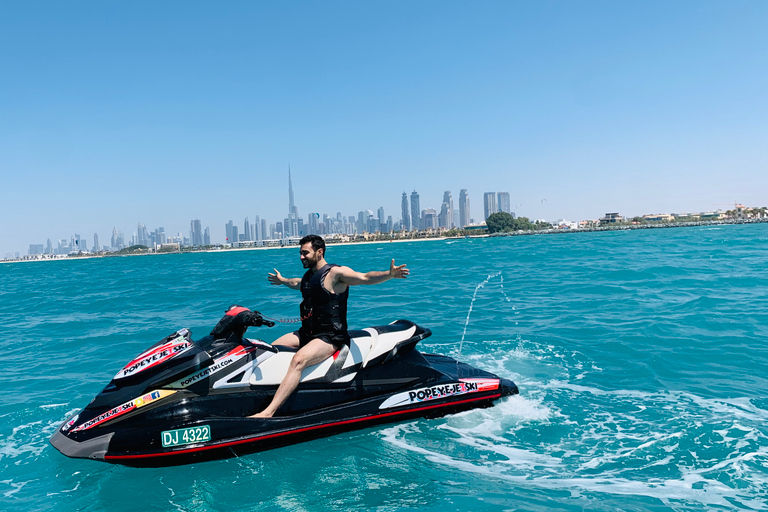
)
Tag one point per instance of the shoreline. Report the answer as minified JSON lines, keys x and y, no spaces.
{"x":232,"y":249}
{"x":622,"y":227}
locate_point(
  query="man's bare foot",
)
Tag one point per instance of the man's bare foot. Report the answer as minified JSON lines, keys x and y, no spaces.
{"x":262,"y":414}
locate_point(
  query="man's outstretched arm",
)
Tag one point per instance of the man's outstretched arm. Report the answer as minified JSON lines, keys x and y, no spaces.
{"x":293,"y":282}
{"x":348,"y":276}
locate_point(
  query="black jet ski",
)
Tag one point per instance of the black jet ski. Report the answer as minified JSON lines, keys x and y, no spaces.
{"x":183,"y":401}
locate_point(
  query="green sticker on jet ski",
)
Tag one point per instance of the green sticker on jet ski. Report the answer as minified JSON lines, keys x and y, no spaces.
{"x":188,"y":435}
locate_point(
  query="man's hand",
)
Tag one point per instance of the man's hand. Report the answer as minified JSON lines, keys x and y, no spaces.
{"x":276,"y":278}
{"x":399,"y":272}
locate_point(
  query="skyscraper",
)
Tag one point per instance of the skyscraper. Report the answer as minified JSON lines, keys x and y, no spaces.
{"x":196,"y":232}
{"x":489,"y":204}
{"x":406,"y":214}
{"x":247,"y":229}
{"x":415,"y":212}
{"x":429,"y":219}
{"x":504,"y":205}
{"x":464,"y":217}
{"x":293,"y":211}
{"x":207,"y":236}
{"x":229,"y":231}
{"x":446,"y":211}
{"x":362,"y":222}
{"x":258,"y":232}
{"x":117,"y":239}
{"x":142,"y":236}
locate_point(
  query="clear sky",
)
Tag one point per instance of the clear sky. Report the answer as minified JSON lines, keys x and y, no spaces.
{"x":113,"y":113}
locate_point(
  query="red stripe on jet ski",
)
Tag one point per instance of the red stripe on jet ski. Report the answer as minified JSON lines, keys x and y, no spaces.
{"x":297,"y":431}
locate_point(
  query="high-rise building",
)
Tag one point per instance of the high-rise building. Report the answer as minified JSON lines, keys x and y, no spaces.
{"x":77,"y":243}
{"x":158,"y":236}
{"x":264,"y":233}
{"x":290,"y":226}
{"x":207,"y":236}
{"x":142,"y":235}
{"x":443,"y":219}
{"x":117,"y":239}
{"x":382,"y":219}
{"x":464,"y":217}
{"x":489,"y":204}
{"x":312,"y":224}
{"x":49,"y":245}
{"x":446,"y":211}
{"x":503,"y":204}
{"x":429,"y":219}
{"x":247,"y":229}
{"x":362,"y":222}
{"x":406,"y":223}
{"x":258,"y":232}
{"x":196,"y":232}
{"x":229,"y":232}
{"x":415,"y":211}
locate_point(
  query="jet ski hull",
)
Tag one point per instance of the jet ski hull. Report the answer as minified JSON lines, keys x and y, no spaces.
{"x":194,"y":424}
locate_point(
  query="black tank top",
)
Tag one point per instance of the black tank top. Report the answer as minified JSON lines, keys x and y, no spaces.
{"x":321,"y":310}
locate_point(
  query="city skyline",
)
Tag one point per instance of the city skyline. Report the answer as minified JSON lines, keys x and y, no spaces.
{"x":260,"y":229}
{"x":256,"y":228}
{"x":575,"y":109}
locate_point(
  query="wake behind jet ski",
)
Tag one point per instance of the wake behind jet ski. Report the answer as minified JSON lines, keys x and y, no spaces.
{"x":183,"y":401}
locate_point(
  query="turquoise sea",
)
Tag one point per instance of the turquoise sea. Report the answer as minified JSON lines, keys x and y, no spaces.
{"x":641,"y":357}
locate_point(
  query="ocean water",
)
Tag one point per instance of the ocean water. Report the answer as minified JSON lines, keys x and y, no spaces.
{"x":641,"y":358}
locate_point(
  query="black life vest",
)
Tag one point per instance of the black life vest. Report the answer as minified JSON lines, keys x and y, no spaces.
{"x":321,"y":310}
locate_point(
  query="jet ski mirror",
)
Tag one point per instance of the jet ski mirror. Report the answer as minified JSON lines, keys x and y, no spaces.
{"x":236,"y":321}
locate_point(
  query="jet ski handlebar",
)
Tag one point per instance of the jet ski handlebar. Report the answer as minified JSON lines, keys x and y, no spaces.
{"x":236,"y":320}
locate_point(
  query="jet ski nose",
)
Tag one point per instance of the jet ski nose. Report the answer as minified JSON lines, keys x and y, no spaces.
{"x":94,"y":448}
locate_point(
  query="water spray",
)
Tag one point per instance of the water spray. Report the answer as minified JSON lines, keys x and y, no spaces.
{"x":474,"y":296}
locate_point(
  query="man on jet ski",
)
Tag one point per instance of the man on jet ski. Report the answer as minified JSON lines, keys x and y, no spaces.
{"x":324,"y":289}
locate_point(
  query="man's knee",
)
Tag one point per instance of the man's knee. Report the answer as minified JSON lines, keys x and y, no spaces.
{"x":298,"y":361}
{"x":312,"y":353}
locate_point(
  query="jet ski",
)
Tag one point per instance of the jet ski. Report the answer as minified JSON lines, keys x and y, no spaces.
{"x":183,"y":401}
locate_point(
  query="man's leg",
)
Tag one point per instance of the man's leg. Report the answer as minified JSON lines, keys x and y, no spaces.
{"x":312,"y":353}
{"x":288,"y":340}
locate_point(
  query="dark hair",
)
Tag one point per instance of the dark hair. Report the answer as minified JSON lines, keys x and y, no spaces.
{"x":316,"y":241}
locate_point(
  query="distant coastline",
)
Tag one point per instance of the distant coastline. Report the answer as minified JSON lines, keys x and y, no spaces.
{"x":418,"y":237}
{"x":625,"y":227}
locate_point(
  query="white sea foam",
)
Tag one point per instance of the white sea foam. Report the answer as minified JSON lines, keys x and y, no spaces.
{"x":534,"y":469}
{"x":15,"y":487}
{"x":51,"y":406}
{"x":619,"y":436}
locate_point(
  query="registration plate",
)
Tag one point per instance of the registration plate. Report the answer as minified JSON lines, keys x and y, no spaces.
{"x":186,"y":435}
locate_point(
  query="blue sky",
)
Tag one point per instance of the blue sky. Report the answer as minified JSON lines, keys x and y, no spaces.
{"x":113,"y":113}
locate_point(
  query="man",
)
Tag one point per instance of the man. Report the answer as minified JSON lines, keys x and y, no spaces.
{"x":324,"y":288}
